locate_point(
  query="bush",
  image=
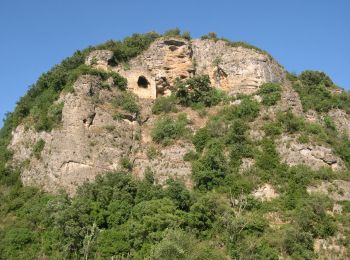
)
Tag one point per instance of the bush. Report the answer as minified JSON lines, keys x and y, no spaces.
{"x":178,"y":244}
{"x":210,"y":35}
{"x":329,"y":123}
{"x":178,"y":193}
{"x":186,"y":35}
{"x":125,"y":163}
{"x":291,"y":123}
{"x":314,"y":89}
{"x":210,"y":170}
{"x":129,"y":47}
{"x":268,"y":159}
{"x":38,"y":147}
{"x":197,"y":90}
{"x":314,"y":78}
{"x":272,"y":129}
{"x":270,"y":93}
{"x":172,"y":33}
{"x":152,"y":153}
{"x":167,"y":130}
{"x":247,"y":110}
{"x":164,"y":105}
{"x":127,"y":101}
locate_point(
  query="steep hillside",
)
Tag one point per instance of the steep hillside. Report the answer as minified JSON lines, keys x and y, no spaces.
{"x":167,"y":147}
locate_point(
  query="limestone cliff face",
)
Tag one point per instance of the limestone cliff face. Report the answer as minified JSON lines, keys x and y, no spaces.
{"x":90,"y":141}
{"x":232,"y":69}
{"x":87,"y":143}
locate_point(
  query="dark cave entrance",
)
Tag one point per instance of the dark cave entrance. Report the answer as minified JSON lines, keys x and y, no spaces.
{"x":142,"y":82}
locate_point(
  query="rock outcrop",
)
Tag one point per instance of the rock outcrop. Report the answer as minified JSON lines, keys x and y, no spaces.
{"x":233,"y":69}
{"x":338,"y":190}
{"x":265,"y":193}
{"x":91,"y":141}
{"x":88,"y":142}
{"x":292,"y":152}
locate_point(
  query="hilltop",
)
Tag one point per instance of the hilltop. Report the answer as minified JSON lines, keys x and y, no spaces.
{"x":156,"y":145}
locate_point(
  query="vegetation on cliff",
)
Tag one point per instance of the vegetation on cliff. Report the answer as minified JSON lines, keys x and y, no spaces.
{"x":121,"y":217}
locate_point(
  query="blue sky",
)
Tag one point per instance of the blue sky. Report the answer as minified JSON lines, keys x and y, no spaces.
{"x":300,"y":34}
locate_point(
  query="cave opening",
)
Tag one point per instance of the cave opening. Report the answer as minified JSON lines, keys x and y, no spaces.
{"x":142,"y":82}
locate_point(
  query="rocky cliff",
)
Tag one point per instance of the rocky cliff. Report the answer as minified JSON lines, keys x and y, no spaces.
{"x":204,"y":136}
{"x":89,"y":141}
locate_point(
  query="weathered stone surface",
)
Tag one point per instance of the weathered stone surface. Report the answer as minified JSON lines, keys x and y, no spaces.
{"x":265,"y":193}
{"x":246,"y":165}
{"x":331,"y":247}
{"x":169,"y":163}
{"x":292,"y":152}
{"x":88,"y":143}
{"x":234,"y":69}
{"x":341,"y":120}
{"x":99,"y":58}
{"x":163,"y":62}
{"x":338,"y":190}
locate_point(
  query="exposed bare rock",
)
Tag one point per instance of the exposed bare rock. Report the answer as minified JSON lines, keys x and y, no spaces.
{"x":163,"y":62}
{"x":292,"y":152}
{"x":247,"y":163}
{"x":290,"y":100}
{"x":331,"y":248}
{"x":168,"y":164}
{"x":341,"y":120}
{"x":99,"y":58}
{"x":88,"y":143}
{"x":312,"y":116}
{"x":338,"y":190}
{"x":256,"y":134}
{"x":265,"y":193}
{"x":234,"y":69}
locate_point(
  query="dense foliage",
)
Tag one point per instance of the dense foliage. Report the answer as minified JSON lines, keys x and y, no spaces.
{"x":315,"y":90}
{"x":167,"y":129}
{"x":270,"y":93}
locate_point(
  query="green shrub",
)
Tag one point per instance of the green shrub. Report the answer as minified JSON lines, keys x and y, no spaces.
{"x":127,"y":101}
{"x":190,"y":156}
{"x":197,"y":90}
{"x":314,"y":78}
{"x":273,"y":129}
{"x":201,"y":138}
{"x":210,"y":170}
{"x":152,"y":152}
{"x":247,"y":110}
{"x":268,"y":159}
{"x":126,"y":163}
{"x":314,"y":89}
{"x":291,"y":123}
{"x":186,"y":35}
{"x":38,"y":147}
{"x":129,"y":47}
{"x":167,"y":129}
{"x":172,"y":33}
{"x":329,"y":123}
{"x":178,"y":244}
{"x":178,"y":193}
{"x":210,"y":35}
{"x":164,"y":105}
{"x":270,"y":93}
